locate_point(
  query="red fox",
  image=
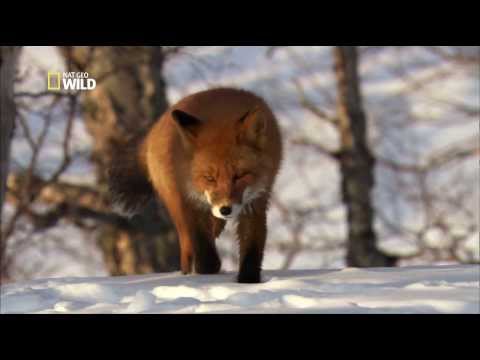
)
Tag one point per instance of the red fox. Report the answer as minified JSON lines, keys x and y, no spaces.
{"x":210,"y":158}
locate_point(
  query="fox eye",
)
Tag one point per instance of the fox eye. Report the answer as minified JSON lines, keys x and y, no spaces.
{"x":209,"y":178}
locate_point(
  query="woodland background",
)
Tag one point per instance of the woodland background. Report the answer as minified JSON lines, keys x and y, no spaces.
{"x":381,"y":155}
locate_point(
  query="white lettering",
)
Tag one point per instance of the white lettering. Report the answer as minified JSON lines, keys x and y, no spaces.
{"x":78,"y":81}
{"x":70,"y":84}
{"x":91,"y":83}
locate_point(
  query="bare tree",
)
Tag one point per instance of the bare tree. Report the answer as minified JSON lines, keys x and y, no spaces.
{"x":434,"y":183}
{"x":440,"y":183}
{"x":129,"y":98}
{"x":8,"y":59}
{"x":352,"y":155}
{"x":356,"y":163}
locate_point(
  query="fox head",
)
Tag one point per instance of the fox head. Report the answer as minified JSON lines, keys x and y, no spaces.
{"x":228,"y":165}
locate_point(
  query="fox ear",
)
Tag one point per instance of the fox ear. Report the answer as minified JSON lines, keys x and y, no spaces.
{"x":252,"y":127}
{"x":186,"y":123}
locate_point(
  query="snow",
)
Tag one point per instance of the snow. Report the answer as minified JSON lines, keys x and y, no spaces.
{"x":406,"y":290}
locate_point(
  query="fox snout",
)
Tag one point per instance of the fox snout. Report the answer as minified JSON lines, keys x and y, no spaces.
{"x":226,"y":212}
{"x":230,"y":208}
{"x":225,"y":209}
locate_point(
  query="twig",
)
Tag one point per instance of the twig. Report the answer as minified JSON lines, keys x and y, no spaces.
{"x":310,"y":106}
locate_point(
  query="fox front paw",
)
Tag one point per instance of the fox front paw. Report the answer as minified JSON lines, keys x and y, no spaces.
{"x":249,"y":277}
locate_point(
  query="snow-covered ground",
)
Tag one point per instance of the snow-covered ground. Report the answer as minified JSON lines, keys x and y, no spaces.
{"x":440,"y":289}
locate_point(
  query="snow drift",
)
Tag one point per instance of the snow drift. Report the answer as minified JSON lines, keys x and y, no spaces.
{"x":440,"y":289}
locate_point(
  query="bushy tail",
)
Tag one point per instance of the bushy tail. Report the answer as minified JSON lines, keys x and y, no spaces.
{"x":128,"y":185}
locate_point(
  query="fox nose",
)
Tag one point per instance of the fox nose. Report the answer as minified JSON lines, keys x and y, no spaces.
{"x":225,"y":210}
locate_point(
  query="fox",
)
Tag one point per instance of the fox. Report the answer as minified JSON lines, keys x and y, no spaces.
{"x":212,"y":157}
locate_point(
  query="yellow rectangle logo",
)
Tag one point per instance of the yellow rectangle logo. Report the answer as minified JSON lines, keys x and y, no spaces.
{"x":53,"y":81}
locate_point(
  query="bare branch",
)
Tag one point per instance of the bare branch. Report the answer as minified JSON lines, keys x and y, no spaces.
{"x":316,"y":146}
{"x":55,"y":94}
{"x":310,"y":106}
{"x":26,"y":132}
{"x":28,"y":192}
{"x":446,"y":53}
{"x":58,"y":192}
{"x":66,"y":159}
{"x":441,"y":158}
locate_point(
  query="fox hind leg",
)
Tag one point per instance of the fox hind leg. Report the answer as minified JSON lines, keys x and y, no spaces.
{"x":181,"y":215}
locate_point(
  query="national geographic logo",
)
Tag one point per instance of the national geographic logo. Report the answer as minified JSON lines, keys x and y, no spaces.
{"x":69,"y":81}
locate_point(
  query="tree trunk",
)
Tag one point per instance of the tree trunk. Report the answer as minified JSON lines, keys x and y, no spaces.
{"x":8,"y":60}
{"x":129,"y":96}
{"x":356,"y":164}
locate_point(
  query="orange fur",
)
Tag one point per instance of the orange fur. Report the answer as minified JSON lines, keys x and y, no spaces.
{"x":213,"y":150}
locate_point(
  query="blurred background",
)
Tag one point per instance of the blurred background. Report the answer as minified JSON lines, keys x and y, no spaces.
{"x":381,"y":160}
